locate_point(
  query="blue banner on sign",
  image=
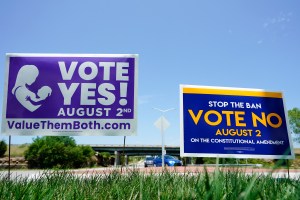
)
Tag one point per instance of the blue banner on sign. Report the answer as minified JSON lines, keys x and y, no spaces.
{"x":230,"y":122}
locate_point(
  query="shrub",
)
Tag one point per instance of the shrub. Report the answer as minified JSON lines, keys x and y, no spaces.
{"x":104,"y":159}
{"x":3,"y":148}
{"x":57,"y":152}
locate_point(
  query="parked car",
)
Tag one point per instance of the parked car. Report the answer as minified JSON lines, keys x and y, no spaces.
{"x":148,"y":161}
{"x":169,"y":161}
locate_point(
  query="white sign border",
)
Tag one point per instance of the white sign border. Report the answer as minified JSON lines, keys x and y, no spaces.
{"x":133,"y":122}
{"x":183,"y":154}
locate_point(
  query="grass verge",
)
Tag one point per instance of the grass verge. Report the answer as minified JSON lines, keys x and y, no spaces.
{"x":136,"y":185}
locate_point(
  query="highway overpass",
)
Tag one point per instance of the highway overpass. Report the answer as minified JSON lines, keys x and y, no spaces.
{"x":135,"y":150}
{"x":143,"y":150}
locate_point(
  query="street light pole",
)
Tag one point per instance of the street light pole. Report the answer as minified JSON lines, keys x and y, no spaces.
{"x":162,"y":124}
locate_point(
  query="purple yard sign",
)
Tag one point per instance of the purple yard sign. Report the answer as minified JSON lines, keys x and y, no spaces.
{"x":70,"y":94}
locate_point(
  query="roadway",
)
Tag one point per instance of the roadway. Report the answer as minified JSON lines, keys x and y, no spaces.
{"x":35,"y":174}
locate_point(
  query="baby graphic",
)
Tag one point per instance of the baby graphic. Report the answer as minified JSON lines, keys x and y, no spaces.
{"x":26,"y":76}
{"x":42,"y":94}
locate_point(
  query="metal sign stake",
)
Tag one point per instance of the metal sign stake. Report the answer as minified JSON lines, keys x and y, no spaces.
{"x":9,"y":143}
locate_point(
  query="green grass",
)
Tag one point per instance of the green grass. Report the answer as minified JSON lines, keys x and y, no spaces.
{"x":135,"y":185}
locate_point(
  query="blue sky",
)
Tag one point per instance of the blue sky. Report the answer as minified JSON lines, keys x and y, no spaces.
{"x":249,"y":44}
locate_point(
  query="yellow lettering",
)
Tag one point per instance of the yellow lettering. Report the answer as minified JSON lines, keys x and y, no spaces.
{"x":219,"y":120}
{"x":262,"y":120}
{"x":232,"y":132}
{"x":218,"y":132}
{"x":258,"y":133}
{"x":227,"y":114}
{"x":274,"y":115}
{"x":195,"y":118}
{"x":239,"y":118}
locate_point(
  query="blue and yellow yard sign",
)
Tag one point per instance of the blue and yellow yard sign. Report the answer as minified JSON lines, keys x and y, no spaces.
{"x":233,"y":122}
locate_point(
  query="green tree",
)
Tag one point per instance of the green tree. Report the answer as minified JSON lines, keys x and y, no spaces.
{"x":57,"y":152}
{"x":104,"y":158}
{"x":3,"y":148}
{"x":294,"y":119}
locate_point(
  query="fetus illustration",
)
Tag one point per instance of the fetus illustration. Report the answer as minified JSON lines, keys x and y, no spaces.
{"x":26,"y":76}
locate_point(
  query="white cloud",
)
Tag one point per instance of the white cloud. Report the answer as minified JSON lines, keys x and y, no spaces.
{"x":275,"y":27}
{"x":282,"y":18}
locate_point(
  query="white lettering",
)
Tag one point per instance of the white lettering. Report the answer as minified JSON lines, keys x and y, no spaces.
{"x":122,"y":71}
{"x":67,"y":75}
{"x":87,"y":90}
{"x":82,"y":70}
{"x":106,"y":69}
{"x":108,"y":97}
{"x":67,"y":93}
